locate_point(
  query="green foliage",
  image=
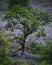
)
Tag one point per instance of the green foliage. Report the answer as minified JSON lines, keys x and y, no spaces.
{"x":18,"y":2}
{"x":45,"y":17}
{"x":23,"y":63}
{"x":25,"y":17}
{"x":37,"y":48}
{"x":4,"y":44}
{"x":45,"y":52}
{"x":44,"y":63}
{"x":41,"y":32}
{"x":47,"y":55}
{"x":3,"y":39}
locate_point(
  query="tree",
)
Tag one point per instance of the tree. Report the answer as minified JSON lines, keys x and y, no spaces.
{"x":28,"y":17}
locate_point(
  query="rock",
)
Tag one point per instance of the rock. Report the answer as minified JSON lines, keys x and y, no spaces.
{"x":17,"y":32}
{"x":48,"y":30}
{"x":2,"y":24}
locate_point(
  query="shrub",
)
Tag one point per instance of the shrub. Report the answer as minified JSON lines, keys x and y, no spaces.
{"x":4,"y":44}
